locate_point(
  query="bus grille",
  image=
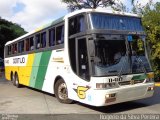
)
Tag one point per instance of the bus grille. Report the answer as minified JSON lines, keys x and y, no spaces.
{"x":131,"y":82}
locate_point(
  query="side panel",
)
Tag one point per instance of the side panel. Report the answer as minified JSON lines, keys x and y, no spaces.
{"x":42,"y":69}
{"x":35,"y":69}
{"x":31,"y":69}
{"x":56,"y":67}
{"x":24,"y":72}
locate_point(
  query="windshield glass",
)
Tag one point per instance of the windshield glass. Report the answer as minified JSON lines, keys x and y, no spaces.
{"x":114,"y":55}
{"x":110,"y":55}
{"x":115,"y":22}
{"x":139,"y":60}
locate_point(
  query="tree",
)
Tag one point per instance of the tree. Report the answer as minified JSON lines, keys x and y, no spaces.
{"x":8,"y":31}
{"x":79,"y":4}
{"x":136,"y":6}
{"x":151,"y":23}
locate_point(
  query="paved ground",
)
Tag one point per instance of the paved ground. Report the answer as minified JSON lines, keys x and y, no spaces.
{"x":29,"y":101}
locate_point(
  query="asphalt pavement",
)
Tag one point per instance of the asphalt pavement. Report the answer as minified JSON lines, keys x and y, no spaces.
{"x":26,"y":101}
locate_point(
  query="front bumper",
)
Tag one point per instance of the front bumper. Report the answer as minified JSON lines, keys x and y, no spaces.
{"x":122,"y":94}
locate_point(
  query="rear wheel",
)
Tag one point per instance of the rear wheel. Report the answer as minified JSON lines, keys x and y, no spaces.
{"x":61,"y":92}
{"x":13,"y":79}
{"x":16,"y":81}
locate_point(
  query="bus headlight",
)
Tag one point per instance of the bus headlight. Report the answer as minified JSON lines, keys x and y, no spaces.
{"x":106,"y":85}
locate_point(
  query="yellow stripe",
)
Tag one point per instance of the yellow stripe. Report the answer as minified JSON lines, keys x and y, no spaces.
{"x":157,"y":84}
{"x":8,"y":70}
{"x":25,"y":72}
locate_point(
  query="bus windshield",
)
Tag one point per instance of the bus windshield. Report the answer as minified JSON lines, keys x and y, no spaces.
{"x":115,"y":22}
{"x":115,"y":55}
{"x":138,"y":55}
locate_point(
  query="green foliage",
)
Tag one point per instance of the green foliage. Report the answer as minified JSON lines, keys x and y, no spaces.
{"x":151,"y":23}
{"x":79,"y":4}
{"x":8,"y":31}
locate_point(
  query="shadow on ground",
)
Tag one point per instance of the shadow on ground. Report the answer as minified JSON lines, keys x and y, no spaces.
{"x":122,"y":107}
{"x":117,"y":108}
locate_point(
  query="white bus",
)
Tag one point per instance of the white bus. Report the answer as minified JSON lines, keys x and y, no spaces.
{"x":96,"y":57}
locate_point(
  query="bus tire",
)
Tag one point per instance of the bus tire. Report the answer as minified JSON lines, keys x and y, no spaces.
{"x":16,"y":81}
{"x":13,"y":79}
{"x":61,"y":92}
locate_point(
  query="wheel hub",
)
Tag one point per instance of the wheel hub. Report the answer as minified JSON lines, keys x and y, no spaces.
{"x":62,"y":91}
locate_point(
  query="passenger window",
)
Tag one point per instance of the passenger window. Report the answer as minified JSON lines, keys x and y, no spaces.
{"x":52,"y":37}
{"x":38,"y":41}
{"x":76,"y":24}
{"x":43,"y":39}
{"x":21,"y":46}
{"x":60,"y":35}
{"x":27,"y":44}
{"x":14,"y":48}
{"x":9,"y":50}
{"x":31,"y":43}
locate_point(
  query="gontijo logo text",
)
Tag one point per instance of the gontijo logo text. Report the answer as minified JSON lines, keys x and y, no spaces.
{"x":18,"y":60}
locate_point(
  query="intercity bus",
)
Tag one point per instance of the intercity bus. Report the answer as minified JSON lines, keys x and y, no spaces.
{"x":96,"y":57}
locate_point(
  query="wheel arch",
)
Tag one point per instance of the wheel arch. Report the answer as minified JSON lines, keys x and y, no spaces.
{"x":67,"y":101}
{"x":57,"y":78}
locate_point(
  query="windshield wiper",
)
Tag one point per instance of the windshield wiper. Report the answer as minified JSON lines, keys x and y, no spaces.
{"x":122,"y":67}
{"x":126,"y":56}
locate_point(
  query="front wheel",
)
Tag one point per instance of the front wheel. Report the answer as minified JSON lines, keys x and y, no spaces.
{"x":61,"y":92}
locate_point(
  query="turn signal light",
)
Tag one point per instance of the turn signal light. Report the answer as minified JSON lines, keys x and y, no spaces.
{"x":150,"y":88}
{"x":110,"y":97}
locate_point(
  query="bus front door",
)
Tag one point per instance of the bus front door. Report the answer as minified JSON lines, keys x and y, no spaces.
{"x":82,"y":58}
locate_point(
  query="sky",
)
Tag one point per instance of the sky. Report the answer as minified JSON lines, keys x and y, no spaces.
{"x":31,"y":14}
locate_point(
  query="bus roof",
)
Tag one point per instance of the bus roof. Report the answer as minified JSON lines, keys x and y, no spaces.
{"x":101,"y":11}
{"x":70,"y":15}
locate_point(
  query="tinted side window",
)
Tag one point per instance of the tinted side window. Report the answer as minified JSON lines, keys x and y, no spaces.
{"x":52,"y":37}
{"x":21,"y":46}
{"x":38,"y":41}
{"x":9,"y":50}
{"x":31,"y":42}
{"x":27,"y":45}
{"x":60,"y":35}
{"x":76,"y":24}
{"x":43,"y":39}
{"x":14,"y":48}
